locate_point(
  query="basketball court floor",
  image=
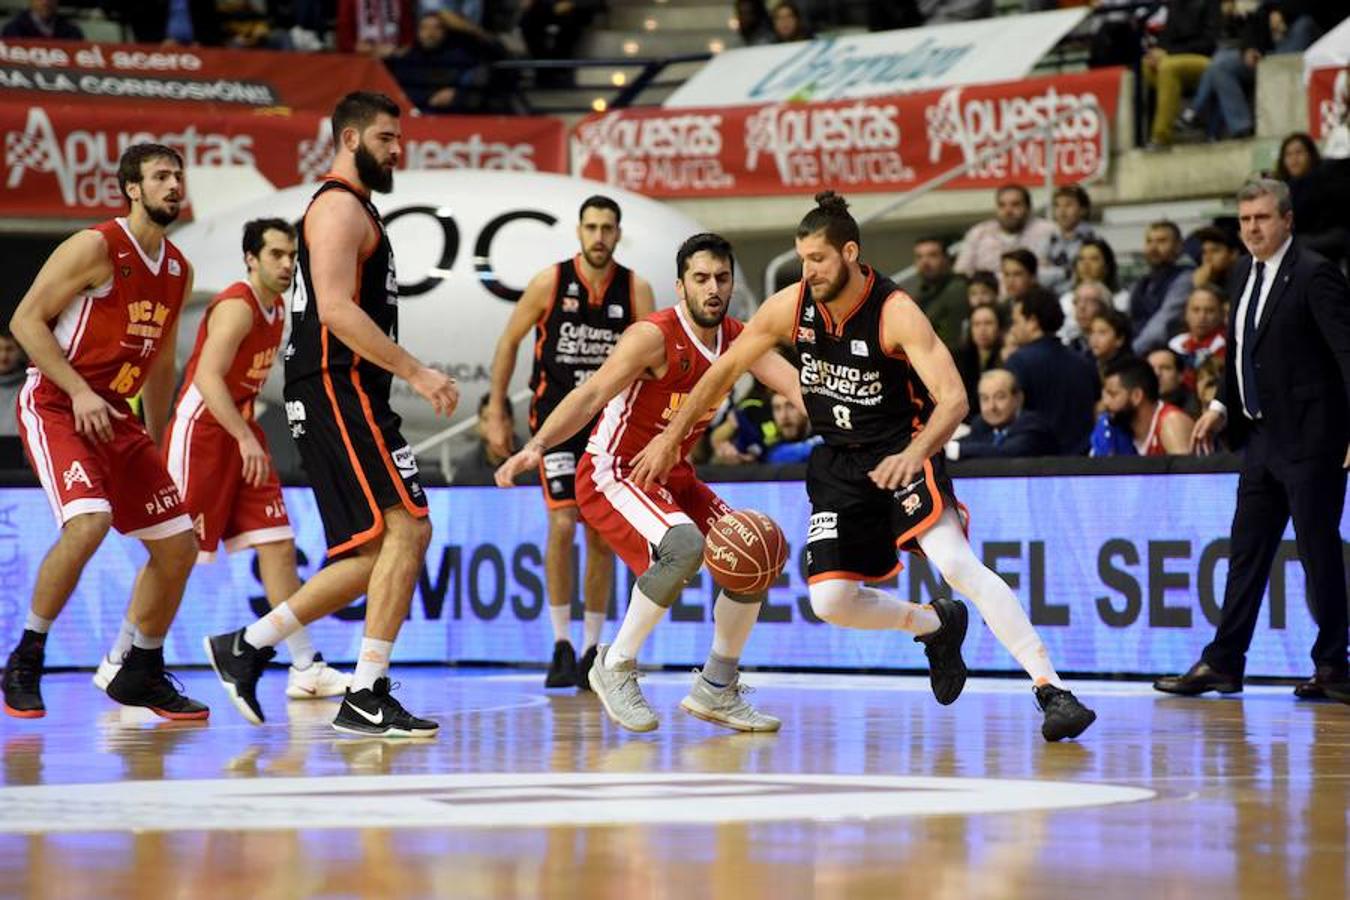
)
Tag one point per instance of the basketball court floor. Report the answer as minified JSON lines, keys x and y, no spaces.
{"x":871,"y":790}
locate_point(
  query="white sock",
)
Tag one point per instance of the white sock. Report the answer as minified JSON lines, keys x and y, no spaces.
{"x":301,"y":647}
{"x":947,"y":549}
{"x":34,"y":622}
{"x":272,"y":628}
{"x":146,"y":642}
{"x":594,"y":625}
{"x":851,"y":605}
{"x":123,"y":642}
{"x":372,"y":664}
{"x":638,"y":622}
{"x":732,"y":622}
{"x":561,"y":617}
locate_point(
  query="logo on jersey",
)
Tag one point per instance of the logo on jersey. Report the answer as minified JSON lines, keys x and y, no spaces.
{"x":174,"y":268}
{"x":261,"y":365}
{"x":859,"y":347}
{"x":76,"y":475}
{"x":615,"y":311}
{"x":806,"y":335}
{"x":571,"y":304}
{"x":573,"y":289}
{"x":146,"y":319}
{"x":809,"y":314}
{"x":560,"y":464}
{"x":126,"y":271}
{"x":824,"y":526}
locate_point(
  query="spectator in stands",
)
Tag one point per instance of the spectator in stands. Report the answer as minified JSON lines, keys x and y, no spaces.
{"x":1109,"y":339}
{"x":889,"y":15}
{"x":1320,"y":191}
{"x":1178,"y":60}
{"x":1169,"y":367}
{"x":982,"y":290}
{"x":1096,"y":261}
{"x":477,"y":464}
{"x":1072,"y":207}
{"x":1207,"y":378}
{"x":374,"y":27}
{"x":1158,"y":300}
{"x":1059,"y":384}
{"x":939,"y":291}
{"x":747,"y":429}
{"x":41,"y":21}
{"x":752,"y":23}
{"x":1219,"y":250}
{"x":788,"y":23}
{"x":1204,"y":336}
{"x":1088,"y":301}
{"x":435,"y":70}
{"x":1132,"y":404}
{"x":1018,"y":268}
{"x":13,"y":373}
{"x":1013,"y":226}
{"x":980,"y":351}
{"x":552,"y":29}
{"x":1003,"y":428}
{"x":795,"y":440}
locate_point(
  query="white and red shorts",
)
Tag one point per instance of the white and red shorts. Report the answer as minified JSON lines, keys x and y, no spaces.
{"x":125,"y":476}
{"x":634,"y":521}
{"x":204,"y":462}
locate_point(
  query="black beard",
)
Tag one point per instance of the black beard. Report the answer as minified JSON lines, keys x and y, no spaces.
{"x":160,"y":215}
{"x":1124,"y":420}
{"x":835,"y":288}
{"x":703,"y":320}
{"x":372,"y":174}
{"x":605,"y":257}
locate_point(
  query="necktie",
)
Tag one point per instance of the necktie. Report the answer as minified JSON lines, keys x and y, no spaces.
{"x":1250,"y":402}
{"x":999,"y":434}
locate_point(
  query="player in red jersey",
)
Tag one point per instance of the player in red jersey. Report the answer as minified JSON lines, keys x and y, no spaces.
{"x":218,"y":455}
{"x":98,"y":324}
{"x":659,"y":532}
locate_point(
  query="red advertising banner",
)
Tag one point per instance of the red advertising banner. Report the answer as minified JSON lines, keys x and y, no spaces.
{"x":62,"y":160}
{"x":873,"y":144}
{"x":1328,"y":100}
{"x":141,"y":74}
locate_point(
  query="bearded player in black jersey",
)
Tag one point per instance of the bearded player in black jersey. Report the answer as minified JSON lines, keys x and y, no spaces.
{"x":883,"y":392}
{"x":577,"y":308}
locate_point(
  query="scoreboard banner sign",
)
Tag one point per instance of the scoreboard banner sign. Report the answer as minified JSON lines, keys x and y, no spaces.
{"x":871,"y":144}
{"x":61,"y":160}
{"x":1118,"y":573}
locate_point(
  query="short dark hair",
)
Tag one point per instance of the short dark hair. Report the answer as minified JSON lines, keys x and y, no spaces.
{"x":129,"y":166}
{"x":831,"y":216}
{"x":358,"y":109}
{"x":1041,"y":304}
{"x":1077,"y":193}
{"x":1019,"y":188}
{"x":1117,"y":321}
{"x":1213,"y":234}
{"x":255,"y":231}
{"x":1166,"y":225}
{"x":932,"y":239}
{"x":1023,"y":257}
{"x":600,"y":201}
{"x":1214,"y":290}
{"x":715,"y":244}
{"x":1177,"y":359}
{"x":484,"y":400}
{"x":983,"y":277}
{"x":1134,"y":372}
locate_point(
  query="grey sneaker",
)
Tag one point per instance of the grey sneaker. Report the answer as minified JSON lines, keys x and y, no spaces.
{"x":726,"y":706}
{"x":619,"y":694}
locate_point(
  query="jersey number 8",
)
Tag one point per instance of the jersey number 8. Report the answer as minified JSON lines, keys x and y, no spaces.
{"x":843,"y":417}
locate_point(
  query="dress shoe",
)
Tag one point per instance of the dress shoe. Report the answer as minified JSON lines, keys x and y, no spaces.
{"x":1325,"y":676}
{"x":1200,"y":678}
{"x":1339,"y":692}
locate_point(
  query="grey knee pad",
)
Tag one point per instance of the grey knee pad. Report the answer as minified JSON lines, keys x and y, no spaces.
{"x":677,"y":560}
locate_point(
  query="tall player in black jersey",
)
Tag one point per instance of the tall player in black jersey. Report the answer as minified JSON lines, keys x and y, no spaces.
{"x":883,"y":392}
{"x":340,"y":363}
{"x":578,"y":308}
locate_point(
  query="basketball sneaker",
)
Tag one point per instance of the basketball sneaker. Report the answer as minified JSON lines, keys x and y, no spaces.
{"x":726,"y":705}
{"x":107,"y":670}
{"x":584,"y":669}
{"x":1065,"y":717}
{"x":374,"y":711}
{"x":23,"y":680}
{"x":562,"y":672}
{"x":620,"y":695}
{"x":316,"y":680}
{"x":946,"y":669}
{"x":142,"y":681}
{"x":239,"y":665}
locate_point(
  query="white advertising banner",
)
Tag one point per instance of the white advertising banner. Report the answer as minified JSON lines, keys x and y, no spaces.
{"x":872,"y":65}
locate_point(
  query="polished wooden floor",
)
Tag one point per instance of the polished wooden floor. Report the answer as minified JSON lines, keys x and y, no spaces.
{"x":1242,"y":798}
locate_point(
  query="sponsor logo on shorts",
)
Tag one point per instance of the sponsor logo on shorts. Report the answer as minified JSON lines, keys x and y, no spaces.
{"x":911,"y":503}
{"x":405,"y":462}
{"x":295,"y":414}
{"x":559,"y":464}
{"x":824,"y":526}
{"x":199,"y":526}
{"x":276,"y":509}
{"x":555,"y":486}
{"x":76,"y":475}
{"x":164,"y":500}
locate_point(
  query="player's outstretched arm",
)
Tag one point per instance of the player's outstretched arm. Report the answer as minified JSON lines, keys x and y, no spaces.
{"x":157,"y":392}
{"x":641,"y":349}
{"x":79,"y":264}
{"x":530,"y":309}
{"x":771,"y":325}
{"x":228,"y":323}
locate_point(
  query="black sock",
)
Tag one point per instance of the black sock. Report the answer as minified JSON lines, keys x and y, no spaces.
{"x":141,"y":658}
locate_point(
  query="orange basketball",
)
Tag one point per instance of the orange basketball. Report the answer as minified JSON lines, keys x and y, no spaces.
{"x":745,"y":551}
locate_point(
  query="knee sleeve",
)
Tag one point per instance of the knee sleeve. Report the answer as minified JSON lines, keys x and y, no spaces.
{"x":830,"y":598}
{"x":677,"y":560}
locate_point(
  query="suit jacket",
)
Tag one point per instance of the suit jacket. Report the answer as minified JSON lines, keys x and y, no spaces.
{"x":1060,"y":385}
{"x":1027,"y":435}
{"x":1302,"y":359}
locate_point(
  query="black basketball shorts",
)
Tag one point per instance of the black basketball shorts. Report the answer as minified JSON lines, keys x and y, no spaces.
{"x":558,"y":470}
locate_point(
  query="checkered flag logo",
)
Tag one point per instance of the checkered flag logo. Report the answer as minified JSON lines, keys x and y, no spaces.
{"x":315,"y":156}
{"x":33,"y":148}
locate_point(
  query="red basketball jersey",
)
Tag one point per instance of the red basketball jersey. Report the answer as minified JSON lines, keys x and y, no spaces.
{"x":112,"y":333}
{"x":252,"y":362}
{"x":630,"y":420}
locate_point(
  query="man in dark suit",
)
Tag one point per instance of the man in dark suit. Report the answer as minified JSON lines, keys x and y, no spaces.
{"x":1059,"y":384}
{"x":1285,"y":400}
{"x":1003,"y":430}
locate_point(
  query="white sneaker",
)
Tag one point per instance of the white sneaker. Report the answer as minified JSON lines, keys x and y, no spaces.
{"x":316,"y":681}
{"x":107,"y":671}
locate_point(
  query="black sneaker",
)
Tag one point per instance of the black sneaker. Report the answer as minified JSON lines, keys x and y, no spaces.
{"x":584,"y":668}
{"x":23,"y":681}
{"x":239,"y":665}
{"x":946,"y":669}
{"x":142,"y":681}
{"x":1065,"y":717}
{"x":374,"y":711}
{"x":562,"y":672}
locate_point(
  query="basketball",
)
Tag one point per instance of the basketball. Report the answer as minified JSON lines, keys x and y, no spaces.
{"x":745,"y":551}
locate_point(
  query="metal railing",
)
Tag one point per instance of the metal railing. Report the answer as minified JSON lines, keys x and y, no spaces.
{"x":443,"y":437}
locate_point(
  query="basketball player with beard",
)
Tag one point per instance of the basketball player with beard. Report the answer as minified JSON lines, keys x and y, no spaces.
{"x":98,"y":324}
{"x":883,"y":392}
{"x":340,"y":363}
{"x":578,"y":308}
{"x":659,"y":531}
